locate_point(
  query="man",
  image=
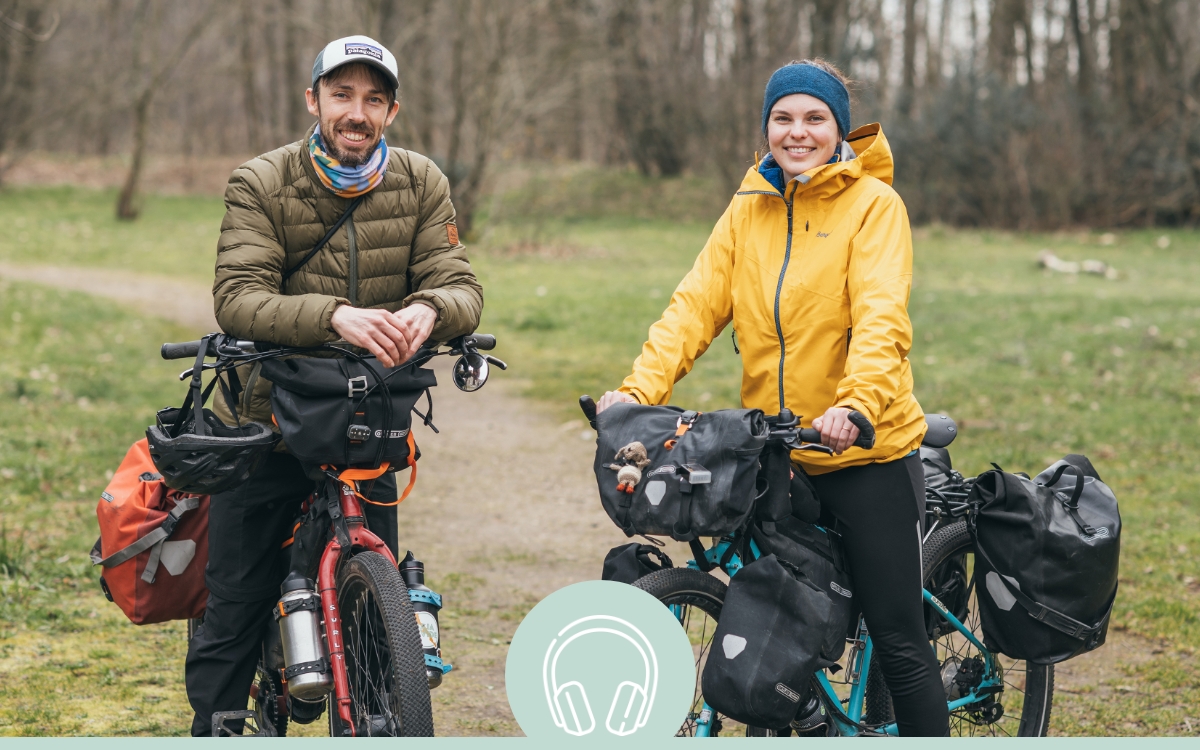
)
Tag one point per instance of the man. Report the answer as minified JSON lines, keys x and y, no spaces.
{"x":392,"y":277}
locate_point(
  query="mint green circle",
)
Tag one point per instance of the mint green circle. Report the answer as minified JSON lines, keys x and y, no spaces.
{"x":618,"y":630}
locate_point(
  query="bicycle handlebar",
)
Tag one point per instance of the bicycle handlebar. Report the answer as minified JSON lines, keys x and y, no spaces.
{"x":189,"y":349}
{"x":783,"y":426}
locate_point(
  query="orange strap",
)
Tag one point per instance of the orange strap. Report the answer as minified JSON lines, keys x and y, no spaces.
{"x":679,"y":432}
{"x":353,"y":474}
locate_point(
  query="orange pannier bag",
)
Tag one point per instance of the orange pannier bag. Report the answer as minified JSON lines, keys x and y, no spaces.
{"x":153,"y":543}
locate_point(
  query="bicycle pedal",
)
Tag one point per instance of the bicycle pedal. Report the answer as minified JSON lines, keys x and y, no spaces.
{"x":220,"y":729}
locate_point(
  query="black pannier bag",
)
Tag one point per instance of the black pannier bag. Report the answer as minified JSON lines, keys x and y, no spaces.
{"x":818,"y":554}
{"x":664,"y":471}
{"x":629,"y":562}
{"x":767,"y":644}
{"x":779,"y":528}
{"x":335,"y":411}
{"x":1047,"y":553}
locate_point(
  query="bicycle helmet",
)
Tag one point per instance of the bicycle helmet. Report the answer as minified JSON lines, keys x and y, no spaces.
{"x":205,"y":464}
{"x":198,"y":453}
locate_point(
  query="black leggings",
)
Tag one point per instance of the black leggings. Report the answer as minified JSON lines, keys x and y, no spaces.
{"x":878,"y":508}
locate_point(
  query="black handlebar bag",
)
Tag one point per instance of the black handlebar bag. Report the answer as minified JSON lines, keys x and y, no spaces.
{"x":346,"y":412}
{"x":664,"y":471}
{"x":767,"y":644}
{"x":1047,"y":553}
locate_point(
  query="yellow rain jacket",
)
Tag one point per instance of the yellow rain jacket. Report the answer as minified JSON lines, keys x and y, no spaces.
{"x":816,"y":284}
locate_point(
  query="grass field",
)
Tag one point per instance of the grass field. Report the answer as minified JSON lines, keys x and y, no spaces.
{"x":1032,"y":366}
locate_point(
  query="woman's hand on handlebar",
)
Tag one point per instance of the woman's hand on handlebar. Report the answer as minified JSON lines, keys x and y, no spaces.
{"x":836,"y":430}
{"x":614,"y":397}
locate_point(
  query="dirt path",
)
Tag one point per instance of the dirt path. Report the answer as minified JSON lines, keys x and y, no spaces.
{"x":184,"y":302}
{"x":505,"y":512}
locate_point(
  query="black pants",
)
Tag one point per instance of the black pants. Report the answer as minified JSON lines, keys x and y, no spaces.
{"x":879,"y":509}
{"x":246,"y":564}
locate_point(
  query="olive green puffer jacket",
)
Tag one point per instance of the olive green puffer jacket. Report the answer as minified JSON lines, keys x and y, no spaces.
{"x":400,"y":247}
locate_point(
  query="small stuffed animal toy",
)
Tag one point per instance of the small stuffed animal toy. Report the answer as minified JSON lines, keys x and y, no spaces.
{"x":630,"y":461}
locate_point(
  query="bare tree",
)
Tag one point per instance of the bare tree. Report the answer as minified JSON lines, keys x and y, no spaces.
{"x":152,"y":74}
{"x":24,"y":28}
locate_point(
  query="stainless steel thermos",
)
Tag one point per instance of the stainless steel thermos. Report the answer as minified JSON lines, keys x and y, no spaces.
{"x":305,"y":659}
{"x":425,"y":604}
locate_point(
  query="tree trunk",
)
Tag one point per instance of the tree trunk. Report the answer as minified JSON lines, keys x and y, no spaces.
{"x":249,"y":94}
{"x":294,"y":73}
{"x":908,"y":74}
{"x":127,"y":210}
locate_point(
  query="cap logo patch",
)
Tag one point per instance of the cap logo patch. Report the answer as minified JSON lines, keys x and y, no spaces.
{"x":365,"y":49}
{"x":452,"y":233}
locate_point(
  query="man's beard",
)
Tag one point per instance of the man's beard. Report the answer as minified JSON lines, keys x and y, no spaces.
{"x":347,"y":158}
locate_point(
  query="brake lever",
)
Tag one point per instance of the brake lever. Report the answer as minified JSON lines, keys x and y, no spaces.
{"x":497,"y":362}
{"x":816,"y":448}
{"x":793,"y":443}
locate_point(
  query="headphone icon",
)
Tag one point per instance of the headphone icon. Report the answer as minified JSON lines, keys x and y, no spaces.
{"x":631,"y":703}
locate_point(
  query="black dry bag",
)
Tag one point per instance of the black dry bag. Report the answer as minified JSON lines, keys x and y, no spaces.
{"x":817,"y":553}
{"x":345,"y":412}
{"x":767,"y":644}
{"x":664,"y":471}
{"x":1047,"y":551}
{"x":629,"y":562}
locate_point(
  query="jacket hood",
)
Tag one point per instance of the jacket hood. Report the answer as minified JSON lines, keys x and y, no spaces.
{"x":874,"y":159}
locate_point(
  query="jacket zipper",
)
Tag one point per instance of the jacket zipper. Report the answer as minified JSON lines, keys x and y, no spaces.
{"x":787,"y":255}
{"x":352,"y":243}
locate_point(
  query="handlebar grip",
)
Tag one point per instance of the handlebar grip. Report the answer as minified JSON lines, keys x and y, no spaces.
{"x":186,"y":350}
{"x":482,"y":341}
{"x":809,"y":435}
{"x":589,"y":409}
{"x":866,"y":437}
{"x":866,"y":430}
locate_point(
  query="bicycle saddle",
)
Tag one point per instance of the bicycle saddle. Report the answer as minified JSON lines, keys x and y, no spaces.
{"x":941,"y":431}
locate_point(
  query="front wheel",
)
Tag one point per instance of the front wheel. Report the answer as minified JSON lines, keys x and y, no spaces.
{"x":385,"y":665}
{"x":1022,"y":709}
{"x":695,"y":598}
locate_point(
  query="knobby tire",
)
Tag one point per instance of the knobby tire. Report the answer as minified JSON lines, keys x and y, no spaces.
{"x":385,"y":663}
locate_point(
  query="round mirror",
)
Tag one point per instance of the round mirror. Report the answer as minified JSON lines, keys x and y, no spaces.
{"x":470,"y":372}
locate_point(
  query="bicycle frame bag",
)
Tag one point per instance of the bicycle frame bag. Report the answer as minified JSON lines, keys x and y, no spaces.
{"x":1047,"y":551}
{"x":153,"y":543}
{"x":629,"y":562}
{"x":664,"y":471}
{"x":347,"y":412}
{"x":767,"y":644}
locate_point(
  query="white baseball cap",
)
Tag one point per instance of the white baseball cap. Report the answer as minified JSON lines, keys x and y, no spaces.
{"x":352,"y":49}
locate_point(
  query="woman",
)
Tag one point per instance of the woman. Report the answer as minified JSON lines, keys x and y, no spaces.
{"x":812,"y":265}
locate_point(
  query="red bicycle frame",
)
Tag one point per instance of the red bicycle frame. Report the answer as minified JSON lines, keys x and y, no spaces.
{"x":361,"y":540}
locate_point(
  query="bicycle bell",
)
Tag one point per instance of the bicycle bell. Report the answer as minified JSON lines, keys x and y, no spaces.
{"x":470,"y":372}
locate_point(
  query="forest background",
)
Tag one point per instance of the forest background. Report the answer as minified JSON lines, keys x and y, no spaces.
{"x":1025,"y":114}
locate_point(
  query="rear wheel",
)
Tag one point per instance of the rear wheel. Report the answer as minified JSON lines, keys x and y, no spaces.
{"x":1022,"y":709}
{"x":385,"y":665}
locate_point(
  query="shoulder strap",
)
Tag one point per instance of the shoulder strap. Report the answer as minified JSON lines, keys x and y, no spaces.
{"x":317,"y":248}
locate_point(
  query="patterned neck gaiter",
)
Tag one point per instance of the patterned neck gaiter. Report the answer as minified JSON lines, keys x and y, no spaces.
{"x":347,"y":182}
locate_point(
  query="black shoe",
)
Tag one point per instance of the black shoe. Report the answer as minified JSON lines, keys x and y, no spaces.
{"x":304,"y":712}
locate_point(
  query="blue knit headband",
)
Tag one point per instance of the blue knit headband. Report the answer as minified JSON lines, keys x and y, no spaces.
{"x":811,"y":80}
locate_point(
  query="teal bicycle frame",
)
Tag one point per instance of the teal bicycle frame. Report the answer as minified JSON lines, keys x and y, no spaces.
{"x":847,"y":713}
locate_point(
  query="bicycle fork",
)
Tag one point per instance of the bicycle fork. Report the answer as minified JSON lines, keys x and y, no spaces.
{"x":359,"y":537}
